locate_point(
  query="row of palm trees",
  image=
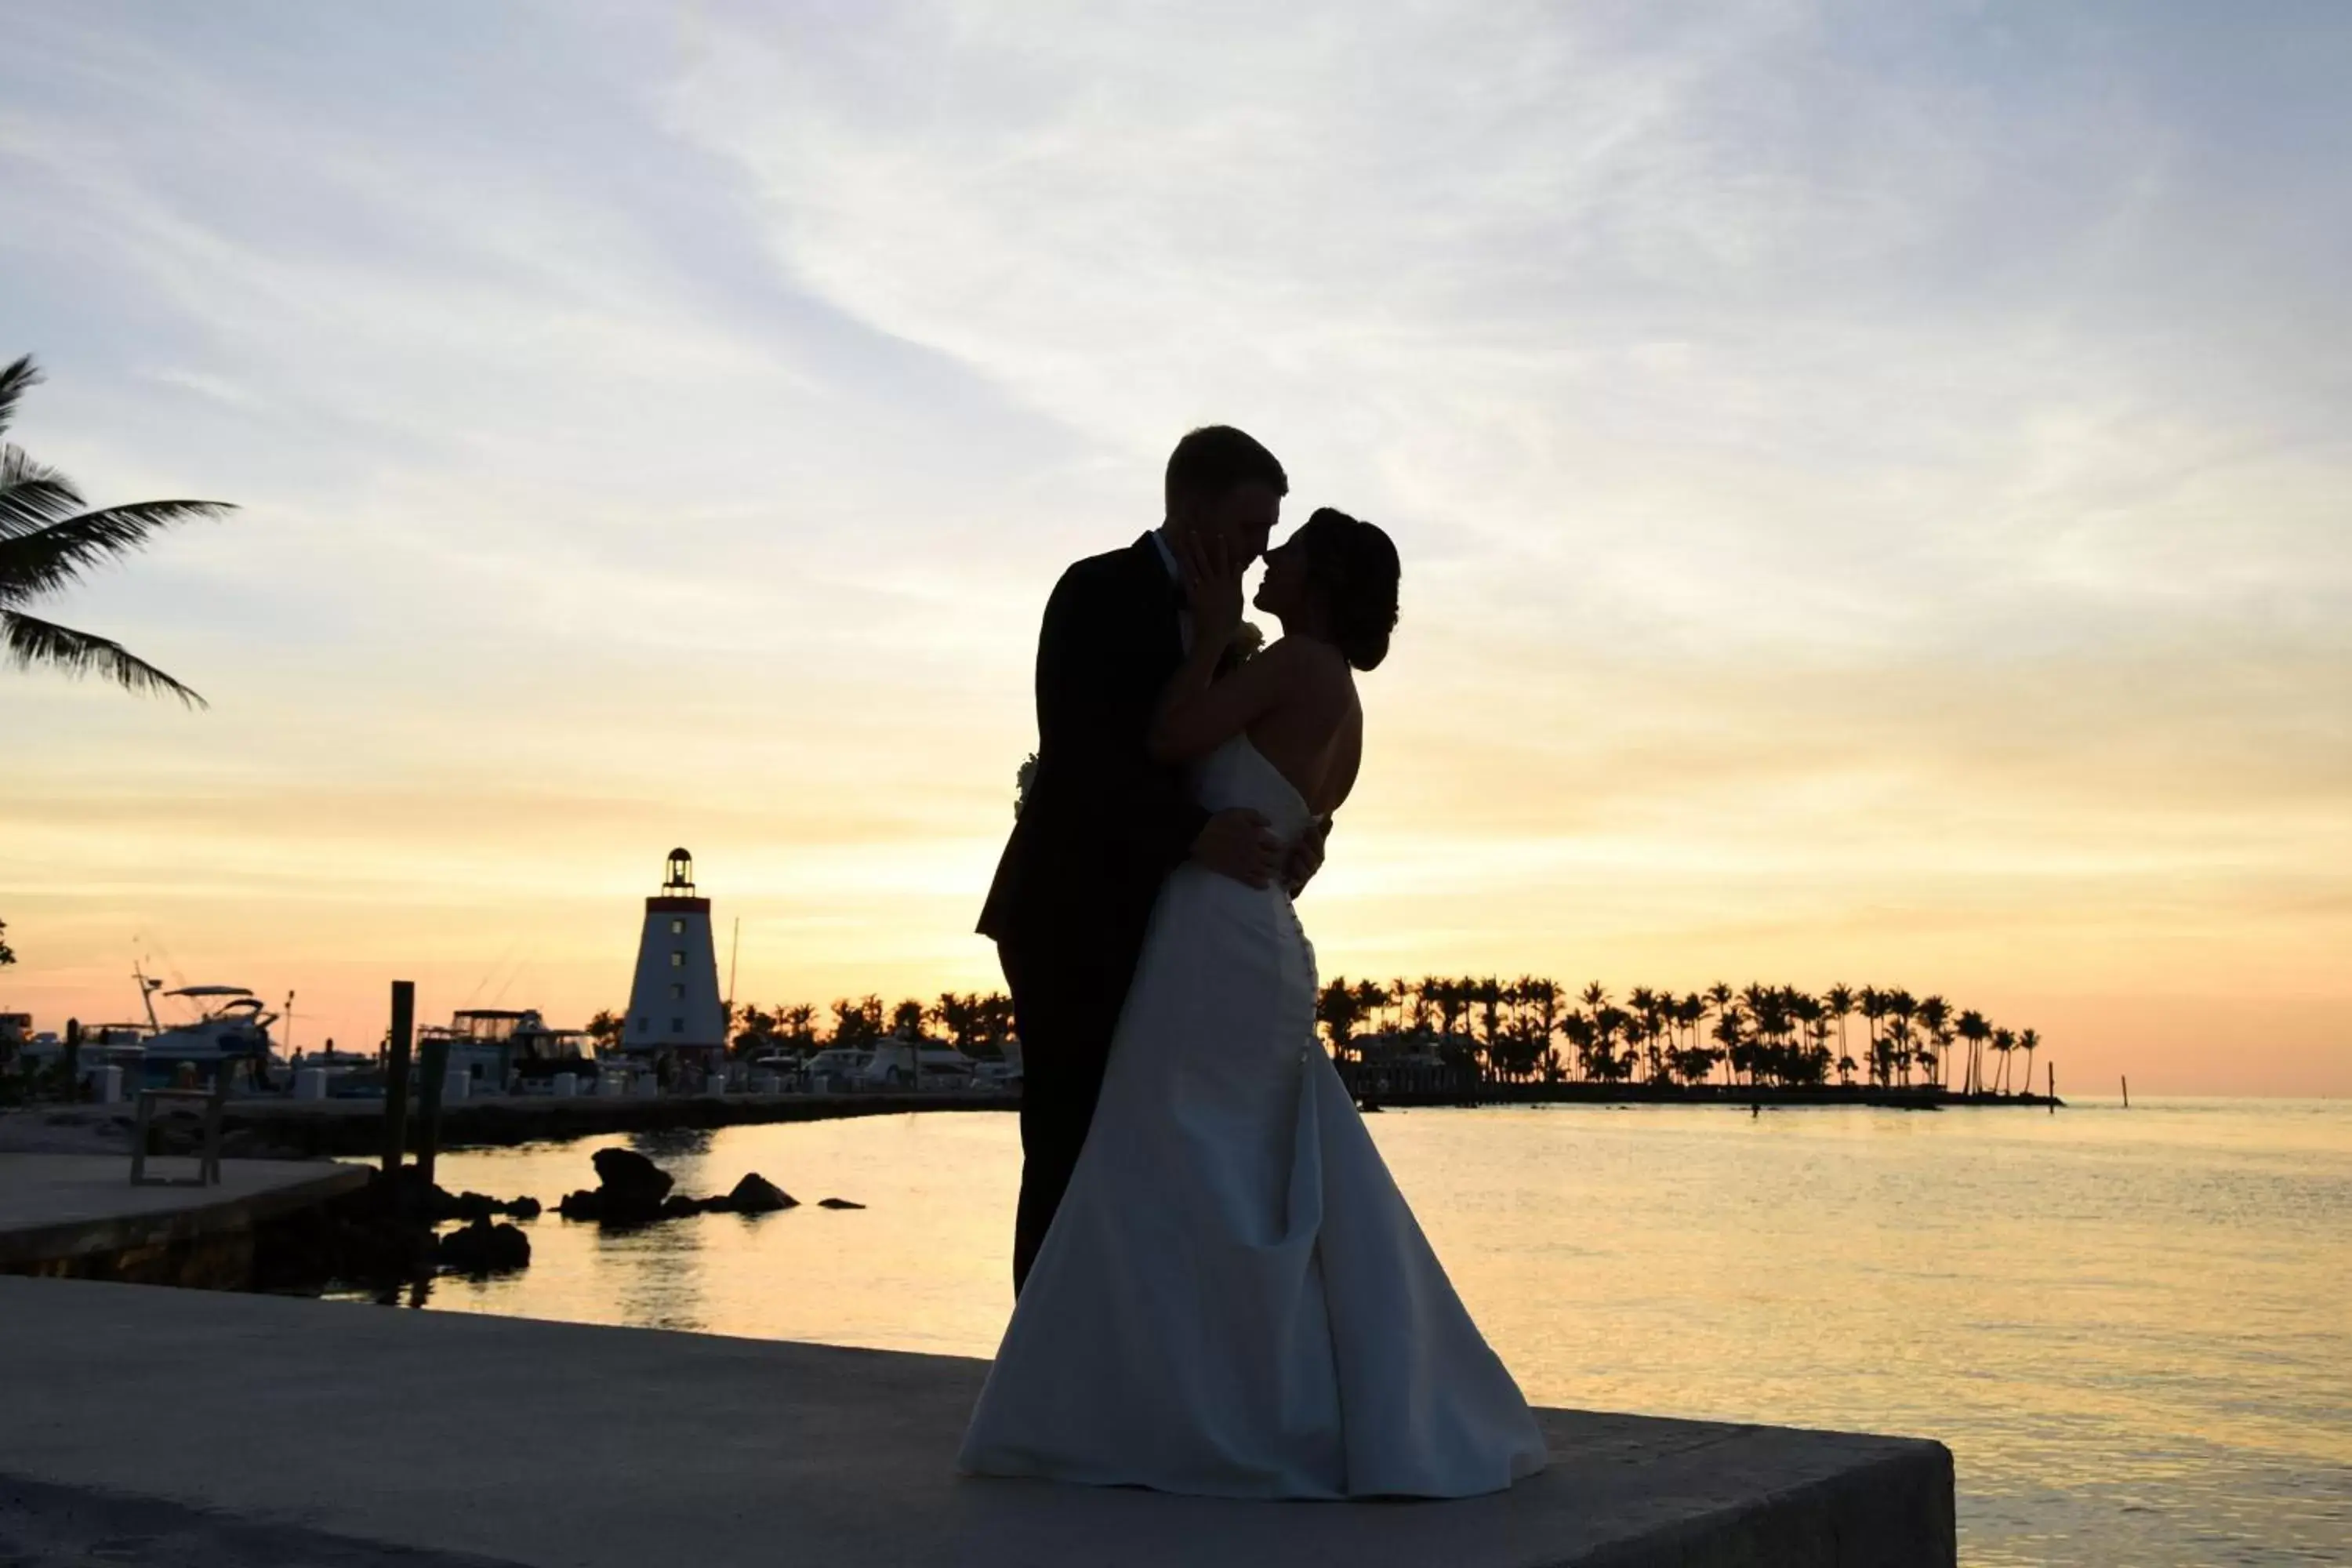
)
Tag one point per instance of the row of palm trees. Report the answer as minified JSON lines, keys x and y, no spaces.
{"x":1532,"y":1029}
{"x":977,"y":1023}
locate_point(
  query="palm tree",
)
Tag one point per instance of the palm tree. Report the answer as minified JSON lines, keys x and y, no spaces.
{"x":1542,"y":998}
{"x":1973,"y":1029}
{"x":1719,"y":997}
{"x":1904,"y":1009}
{"x":2004,"y":1042}
{"x":2029,"y":1041}
{"x":1738,"y":1054}
{"x":47,"y":540}
{"x":1642,"y":1003}
{"x":1839,"y":999}
{"x":1935,"y":1016}
{"x":1339,"y":1009}
{"x":1871,"y":1003}
{"x":1370,"y":998}
{"x":1451,"y":1000}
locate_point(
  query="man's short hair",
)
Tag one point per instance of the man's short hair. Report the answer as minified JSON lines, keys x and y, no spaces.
{"x":1209,"y":462}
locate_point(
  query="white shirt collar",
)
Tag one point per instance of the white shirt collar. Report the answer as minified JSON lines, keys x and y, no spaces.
{"x":1167,"y":556}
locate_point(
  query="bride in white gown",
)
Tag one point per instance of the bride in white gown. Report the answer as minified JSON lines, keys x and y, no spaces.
{"x":1234,"y":1299}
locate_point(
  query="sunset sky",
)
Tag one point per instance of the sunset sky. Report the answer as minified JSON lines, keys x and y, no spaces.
{"x":1874,"y":484}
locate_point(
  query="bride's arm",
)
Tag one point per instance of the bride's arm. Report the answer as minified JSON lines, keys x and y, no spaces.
{"x":1198,"y":713}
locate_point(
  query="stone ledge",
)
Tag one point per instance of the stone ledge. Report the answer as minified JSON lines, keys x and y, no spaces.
{"x":59,"y":1212}
{"x":534,"y":1443}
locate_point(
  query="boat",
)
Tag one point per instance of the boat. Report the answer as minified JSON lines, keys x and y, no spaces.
{"x":493,"y":1047}
{"x":230,"y":1031}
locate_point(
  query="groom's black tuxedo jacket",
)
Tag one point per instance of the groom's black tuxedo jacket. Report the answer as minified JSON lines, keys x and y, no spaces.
{"x":1103,"y":824}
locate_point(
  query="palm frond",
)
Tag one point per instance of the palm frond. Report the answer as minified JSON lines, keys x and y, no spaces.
{"x":49,"y":557}
{"x":33,"y":495}
{"x":13,"y":383}
{"x":26,"y":642}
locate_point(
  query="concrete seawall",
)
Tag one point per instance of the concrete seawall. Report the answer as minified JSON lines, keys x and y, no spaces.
{"x":78,"y":1217}
{"x":311,"y":1129}
{"x":302,"y":1431}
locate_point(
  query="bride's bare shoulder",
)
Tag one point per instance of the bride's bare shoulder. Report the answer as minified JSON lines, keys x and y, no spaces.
{"x":1311,"y":664}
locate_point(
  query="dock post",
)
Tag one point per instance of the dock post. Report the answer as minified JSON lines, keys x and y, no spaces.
{"x":432,"y":1061}
{"x":2054,"y":1087}
{"x":395,"y":1076}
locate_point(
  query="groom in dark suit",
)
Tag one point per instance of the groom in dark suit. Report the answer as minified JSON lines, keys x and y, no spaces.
{"x":1102,"y":824}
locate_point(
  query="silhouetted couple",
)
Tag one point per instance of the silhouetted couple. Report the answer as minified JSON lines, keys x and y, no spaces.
{"x":1221,"y":1291}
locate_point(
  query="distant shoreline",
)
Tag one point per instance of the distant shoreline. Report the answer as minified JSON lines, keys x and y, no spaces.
{"x":314,"y":1128}
{"x":1373,"y":1093}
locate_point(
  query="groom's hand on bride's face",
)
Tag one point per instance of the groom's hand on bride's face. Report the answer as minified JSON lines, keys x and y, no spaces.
{"x":1212,"y":586}
{"x":1238,"y":844}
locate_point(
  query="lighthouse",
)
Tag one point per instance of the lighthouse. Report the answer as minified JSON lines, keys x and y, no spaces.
{"x":674,"y":1004}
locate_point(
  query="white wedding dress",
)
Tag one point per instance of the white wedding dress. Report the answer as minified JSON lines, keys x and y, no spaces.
{"x":1234,"y":1299}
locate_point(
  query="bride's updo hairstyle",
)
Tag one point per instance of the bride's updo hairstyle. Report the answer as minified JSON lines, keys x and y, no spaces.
{"x":1352,"y":567}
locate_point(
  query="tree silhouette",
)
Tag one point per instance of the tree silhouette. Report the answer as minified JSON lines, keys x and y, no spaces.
{"x":47,"y":539}
{"x":1339,"y":1008}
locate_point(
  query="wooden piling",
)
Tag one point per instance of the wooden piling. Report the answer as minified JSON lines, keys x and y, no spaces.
{"x":395,"y":1074}
{"x":433,"y":1063}
{"x":2127,"y":1083}
{"x":2053,"y":1092}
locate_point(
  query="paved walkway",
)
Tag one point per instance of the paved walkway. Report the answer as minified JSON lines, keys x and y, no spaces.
{"x":335,"y":1432}
{"x":54,"y":1207}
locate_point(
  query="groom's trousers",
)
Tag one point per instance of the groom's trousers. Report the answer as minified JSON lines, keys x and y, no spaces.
{"x":1066,"y":1005}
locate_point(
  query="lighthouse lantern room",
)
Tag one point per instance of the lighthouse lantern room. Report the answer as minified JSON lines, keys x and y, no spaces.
{"x":674,"y":1006}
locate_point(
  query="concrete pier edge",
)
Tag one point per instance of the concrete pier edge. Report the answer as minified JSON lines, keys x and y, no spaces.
{"x":79,"y":1214}
{"x":454,"y":1437}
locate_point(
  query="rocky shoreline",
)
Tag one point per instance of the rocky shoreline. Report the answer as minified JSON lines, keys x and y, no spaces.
{"x":388,"y":1233}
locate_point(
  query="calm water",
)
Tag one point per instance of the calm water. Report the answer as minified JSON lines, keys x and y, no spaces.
{"x":2133,"y":1328}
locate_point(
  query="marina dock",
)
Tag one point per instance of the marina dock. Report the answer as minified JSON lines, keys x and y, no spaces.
{"x":79,"y":1216}
{"x":307,"y":1431}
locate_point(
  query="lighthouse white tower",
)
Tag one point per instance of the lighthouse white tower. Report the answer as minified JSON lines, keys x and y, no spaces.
{"x":674,"y":1006}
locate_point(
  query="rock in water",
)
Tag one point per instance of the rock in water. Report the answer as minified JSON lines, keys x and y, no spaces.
{"x":757,"y":1194}
{"x":585,"y":1203}
{"x":482,"y":1248}
{"x":837,"y":1204}
{"x":633,"y":1186}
